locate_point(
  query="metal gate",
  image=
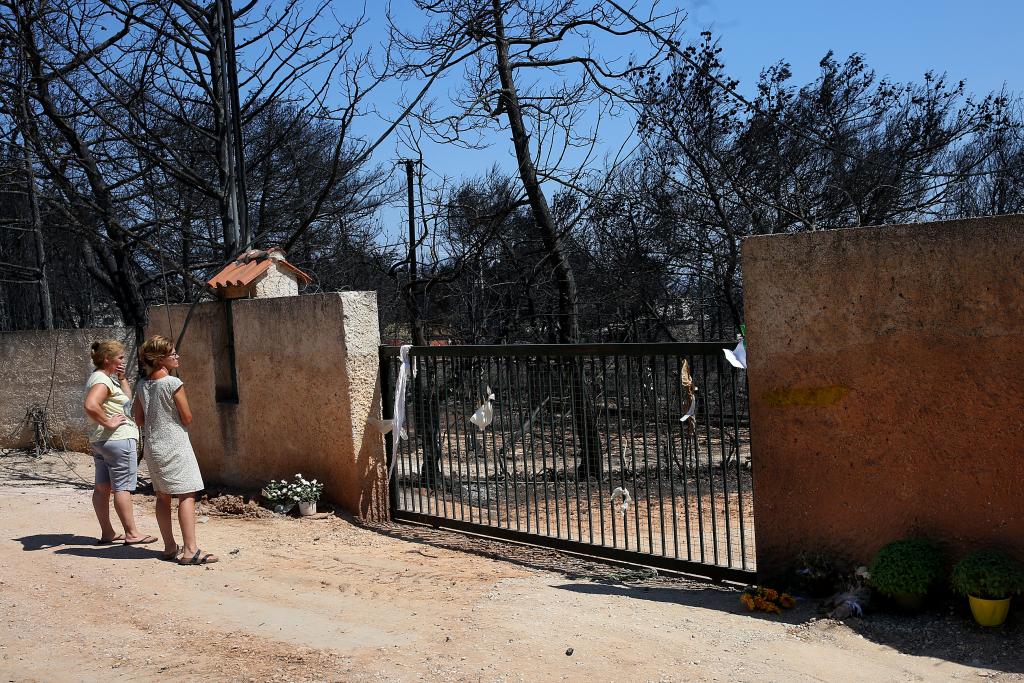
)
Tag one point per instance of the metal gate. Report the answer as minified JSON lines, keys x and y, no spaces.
{"x":633,"y":452}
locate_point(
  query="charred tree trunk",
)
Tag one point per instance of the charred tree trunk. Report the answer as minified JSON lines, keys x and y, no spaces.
{"x":584,"y":414}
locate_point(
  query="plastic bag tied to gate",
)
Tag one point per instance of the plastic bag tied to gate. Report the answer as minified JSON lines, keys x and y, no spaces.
{"x":737,"y":357}
{"x":483,"y":415}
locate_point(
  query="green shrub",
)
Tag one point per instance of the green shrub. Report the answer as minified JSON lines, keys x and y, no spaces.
{"x":988,"y":574}
{"x":911,"y":566}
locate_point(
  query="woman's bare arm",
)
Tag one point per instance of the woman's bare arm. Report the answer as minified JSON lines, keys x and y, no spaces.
{"x":94,"y":407}
{"x":138,"y":412}
{"x":181,"y":402}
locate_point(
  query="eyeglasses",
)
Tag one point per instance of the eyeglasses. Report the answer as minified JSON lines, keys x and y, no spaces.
{"x":173,"y":354}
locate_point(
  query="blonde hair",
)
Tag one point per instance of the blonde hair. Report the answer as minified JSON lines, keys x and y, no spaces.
{"x":105,"y":349}
{"x":155,"y":348}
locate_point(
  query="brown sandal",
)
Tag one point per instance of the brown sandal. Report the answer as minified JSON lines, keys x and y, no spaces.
{"x":199,"y":558}
{"x":172,"y":557}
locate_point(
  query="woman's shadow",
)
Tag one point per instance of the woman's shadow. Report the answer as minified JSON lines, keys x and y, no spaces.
{"x":86,"y":546}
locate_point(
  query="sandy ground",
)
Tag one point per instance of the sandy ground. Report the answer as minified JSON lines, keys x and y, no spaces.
{"x":324,"y":599}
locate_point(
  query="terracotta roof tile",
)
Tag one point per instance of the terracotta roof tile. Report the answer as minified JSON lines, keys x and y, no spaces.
{"x":242,"y":273}
{"x":237,"y":274}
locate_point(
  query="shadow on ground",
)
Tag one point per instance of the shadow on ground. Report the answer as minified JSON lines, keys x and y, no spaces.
{"x":545,"y":559}
{"x":86,"y":546}
{"x":24,"y":469}
{"x":947,"y":632}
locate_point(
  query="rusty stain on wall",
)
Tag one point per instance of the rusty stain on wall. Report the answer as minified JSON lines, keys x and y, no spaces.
{"x":808,"y":397}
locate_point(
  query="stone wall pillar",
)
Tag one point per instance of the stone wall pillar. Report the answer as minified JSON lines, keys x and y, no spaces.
{"x":307,"y":384}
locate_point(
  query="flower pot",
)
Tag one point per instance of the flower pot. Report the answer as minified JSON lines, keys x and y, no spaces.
{"x":989,"y":612}
{"x":284,"y":508}
{"x":307,"y":507}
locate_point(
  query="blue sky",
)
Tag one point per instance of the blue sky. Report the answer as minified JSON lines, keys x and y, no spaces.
{"x":977,"y":42}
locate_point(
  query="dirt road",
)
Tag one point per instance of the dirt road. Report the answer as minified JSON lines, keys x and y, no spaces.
{"x":324,"y":599}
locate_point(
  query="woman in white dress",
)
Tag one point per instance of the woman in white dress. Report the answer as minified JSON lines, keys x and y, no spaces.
{"x":162,"y":408}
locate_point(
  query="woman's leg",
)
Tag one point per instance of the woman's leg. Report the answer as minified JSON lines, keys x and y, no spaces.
{"x":163,"y":520}
{"x":101,"y":498}
{"x":121,"y":457}
{"x":126,"y":513}
{"x":187,"y":522}
{"x":101,"y":504}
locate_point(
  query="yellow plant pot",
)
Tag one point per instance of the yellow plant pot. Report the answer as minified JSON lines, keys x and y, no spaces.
{"x":989,"y":612}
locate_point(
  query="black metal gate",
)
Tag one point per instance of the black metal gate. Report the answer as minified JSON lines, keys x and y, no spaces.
{"x":635,"y":452}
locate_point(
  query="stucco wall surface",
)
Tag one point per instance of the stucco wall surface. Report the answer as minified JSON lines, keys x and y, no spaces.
{"x":276,"y":282}
{"x":886,"y":387}
{"x":29,"y":360}
{"x":307,"y":384}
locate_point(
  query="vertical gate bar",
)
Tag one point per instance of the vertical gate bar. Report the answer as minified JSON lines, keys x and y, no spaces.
{"x":536,"y":363}
{"x":632,"y":451}
{"x":447,"y":380}
{"x":684,"y":443}
{"x":422,"y":430}
{"x":554,"y":454}
{"x":725,"y":461}
{"x":564,"y":445}
{"x":642,"y":389}
{"x":415,"y":502}
{"x":711,"y":471}
{"x":501,"y":426}
{"x":527,"y":443}
{"x":546,"y":375}
{"x":608,"y":450}
{"x":414,"y":434}
{"x":600,"y":468}
{"x":657,"y":446}
{"x":427,"y":363}
{"x":387,"y":410}
{"x":622,"y":459}
{"x":576,"y":394}
{"x":486,"y":363}
{"x":481,"y":440}
{"x":406,"y":457}
{"x":510,"y":443}
{"x":739,"y":472}
{"x":443,"y":414}
{"x":703,"y":395}
{"x":499,"y":468}
{"x":460,"y":425}
{"x":670,"y":448}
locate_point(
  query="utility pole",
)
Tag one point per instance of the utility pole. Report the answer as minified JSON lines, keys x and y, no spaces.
{"x":416,"y":324}
{"x":225,"y":85}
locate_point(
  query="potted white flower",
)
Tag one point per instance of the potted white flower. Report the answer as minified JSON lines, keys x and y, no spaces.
{"x":306,"y":493}
{"x":278,"y":494}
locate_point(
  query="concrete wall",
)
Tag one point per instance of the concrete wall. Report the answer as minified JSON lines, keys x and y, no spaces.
{"x":49,"y":368}
{"x":307,"y":383}
{"x":886,"y":387}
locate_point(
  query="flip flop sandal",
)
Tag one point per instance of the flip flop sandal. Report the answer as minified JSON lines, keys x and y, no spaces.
{"x":199,"y":558}
{"x":145,"y":540}
{"x":115,"y":539}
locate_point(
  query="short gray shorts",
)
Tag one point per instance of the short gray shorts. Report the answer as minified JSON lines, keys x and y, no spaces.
{"x":117,"y":464}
